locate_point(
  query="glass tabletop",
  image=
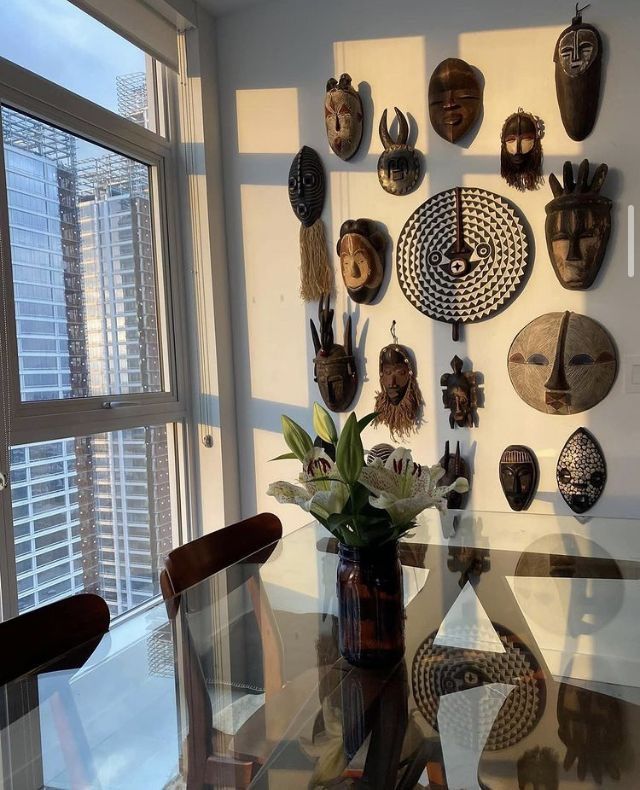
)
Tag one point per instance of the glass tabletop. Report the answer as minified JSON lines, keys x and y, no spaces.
{"x":521,"y":669}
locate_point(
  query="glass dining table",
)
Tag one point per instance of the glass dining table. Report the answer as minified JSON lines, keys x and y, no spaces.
{"x":521,"y":670}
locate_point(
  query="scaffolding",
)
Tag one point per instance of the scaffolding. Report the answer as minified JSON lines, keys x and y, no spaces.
{"x":133,"y":100}
{"x":110,"y":176}
{"x":37,"y":137}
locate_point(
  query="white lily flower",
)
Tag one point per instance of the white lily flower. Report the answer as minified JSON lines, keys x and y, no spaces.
{"x":404,"y":488}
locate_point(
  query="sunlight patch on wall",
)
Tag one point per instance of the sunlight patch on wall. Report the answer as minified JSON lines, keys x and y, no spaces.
{"x":271,"y":262}
{"x":514,"y":64}
{"x":268,"y":121}
{"x":394,"y":70}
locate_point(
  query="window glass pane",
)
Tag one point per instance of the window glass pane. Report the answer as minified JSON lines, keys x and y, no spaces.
{"x":98,"y":64}
{"x":83,"y":265}
{"x":93,"y":514}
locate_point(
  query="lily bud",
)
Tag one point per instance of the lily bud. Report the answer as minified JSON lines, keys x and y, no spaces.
{"x":324,"y":425}
{"x":297,"y":439}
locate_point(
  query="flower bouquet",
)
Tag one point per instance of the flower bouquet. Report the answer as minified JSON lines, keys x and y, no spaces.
{"x":367,"y":507}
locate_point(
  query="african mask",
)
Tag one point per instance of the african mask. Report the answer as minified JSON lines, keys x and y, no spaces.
{"x":362,"y":250}
{"x":334,"y":367}
{"x":454,"y":467}
{"x":306,"y":194}
{"x":455,"y":99}
{"x":379,"y":452}
{"x":518,"y":476}
{"x":462,"y":255}
{"x":578,"y":225}
{"x":343,"y":117}
{"x":460,"y":394}
{"x":562,"y":363}
{"x":521,"y":151}
{"x":399,"y":163}
{"x":578,"y":59}
{"x":399,"y":400}
{"x":581,"y":471}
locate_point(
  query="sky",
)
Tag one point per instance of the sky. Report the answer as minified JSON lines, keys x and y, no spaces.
{"x":60,"y":42}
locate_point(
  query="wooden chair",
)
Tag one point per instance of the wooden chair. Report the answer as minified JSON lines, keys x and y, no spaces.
{"x":59,"y":636}
{"x":252,"y":539}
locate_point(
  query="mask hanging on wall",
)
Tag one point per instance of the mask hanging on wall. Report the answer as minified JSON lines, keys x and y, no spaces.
{"x":562,"y":363}
{"x":521,"y":151}
{"x":581,"y":471}
{"x":343,"y":117}
{"x":379,"y":452}
{"x":399,"y":163}
{"x":362,"y":249}
{"x":399,"y":401}
{"x":306,"y":194}
{"x":518,"y":476}
{"x":578,"y":59}
{"x":455,"y":99}
{"x":578,"y":225}
{"x":462,"y":255}
{"x":454,"y":467}
{"x":334,"y":367}
{"x":460,"y":395}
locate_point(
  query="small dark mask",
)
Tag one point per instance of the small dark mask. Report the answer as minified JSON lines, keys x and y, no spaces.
{"x":399,"y":400}
{"x":343,"y":117}
{"x":334,"y":367}
{"x":578,"y":59}
{"x":306,"y":186}
{"x":521,"y":151}
{"x":455,"y":99}
{"x":454,"y":467}
{"x":460,"y":394}
{"x":362,"y":253}
{"x":581,"y":471}
{"x":399,"y":164}
{"x":518,"y":476}
{"x":578,"y":226}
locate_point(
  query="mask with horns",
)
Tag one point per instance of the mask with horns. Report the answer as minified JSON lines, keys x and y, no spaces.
{"x":399,"y":164}
{"x":578,"y":59}
{"x":343,"y":117}
{"x":521,"y":151}
{"x":334,"y":367}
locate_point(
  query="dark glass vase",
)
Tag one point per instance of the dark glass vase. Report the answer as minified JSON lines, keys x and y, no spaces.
{"x":370,"y":605}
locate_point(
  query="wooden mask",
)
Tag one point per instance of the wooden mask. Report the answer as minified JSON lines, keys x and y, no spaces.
{"x":562,"y":363}
{"x":455,"y":99}
{"x":581,"y":471}
{"x":306,"y":195}
{"x":454,"y":467}
{"x":399,"y":400}
{"x":334,"y":367}
{"x":460,"y":394}
{"x":343,"y":117}
{"x":518,"y":476}
{"x":578,"y":226}
{"x":521,"y":151}
{"x":362,"y":249}
{"x":578,"y":59}
{"x":399,"y":164}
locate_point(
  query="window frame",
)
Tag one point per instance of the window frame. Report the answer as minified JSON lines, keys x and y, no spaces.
{"x":34,"y":421}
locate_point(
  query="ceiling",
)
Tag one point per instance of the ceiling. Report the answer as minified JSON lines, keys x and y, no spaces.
{"x":218,"y":7}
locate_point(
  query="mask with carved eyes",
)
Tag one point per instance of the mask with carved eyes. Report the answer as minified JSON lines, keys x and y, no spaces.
{"x":581,"y":471}
{"x":578,"y":59}
{"x":362,"y":253}
{"x":343,"y":117}
{"x":562,"y":363}
{"x":521,"y":151}
{"x":455,"y":99}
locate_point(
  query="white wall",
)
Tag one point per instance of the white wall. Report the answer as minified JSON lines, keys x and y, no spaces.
{"x":274,"y":61}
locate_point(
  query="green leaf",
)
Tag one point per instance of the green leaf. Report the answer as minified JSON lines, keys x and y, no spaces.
{"x":349,"y":452}
{"x":362,"y":424}
{"x":284,"y":457}
{"x":297,"y":439}
{"x":324,"y":425}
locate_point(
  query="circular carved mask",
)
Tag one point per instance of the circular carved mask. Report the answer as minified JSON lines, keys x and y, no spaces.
{"x":562,"y":363}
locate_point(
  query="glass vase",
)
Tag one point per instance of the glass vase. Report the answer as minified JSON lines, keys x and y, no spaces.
{"x":370,"y":605}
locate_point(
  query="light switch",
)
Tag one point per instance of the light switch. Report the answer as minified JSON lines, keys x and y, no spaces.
{"x":632,"y":374}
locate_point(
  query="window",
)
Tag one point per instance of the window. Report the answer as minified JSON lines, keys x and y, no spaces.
{"x":95,"y":448}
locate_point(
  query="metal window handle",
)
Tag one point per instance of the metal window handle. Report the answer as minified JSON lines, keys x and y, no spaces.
{"x":4,"y":481}
{"x":115,"y":404}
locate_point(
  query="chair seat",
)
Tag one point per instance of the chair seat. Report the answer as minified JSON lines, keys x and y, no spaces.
{"x":232,"y":707}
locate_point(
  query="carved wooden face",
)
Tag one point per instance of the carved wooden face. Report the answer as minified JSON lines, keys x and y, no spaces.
{"x":336,"y":378}
{"x":343,"y":117}
{"x":581,"y":471}
{"x":361,"y":249}
{"x":395,"y":373}
{"x":455,"y":99}
{"x":562,"y":363}
{"x":306,"y":186}
{"x":577,"y":49}
{"x":518,"y":476}
{"x":577,"y":233}
{"x":519,"y":136}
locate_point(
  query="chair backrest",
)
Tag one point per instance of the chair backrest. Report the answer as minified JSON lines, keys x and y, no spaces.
{"x":68,"y":629}
{"x":189,"y":564}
